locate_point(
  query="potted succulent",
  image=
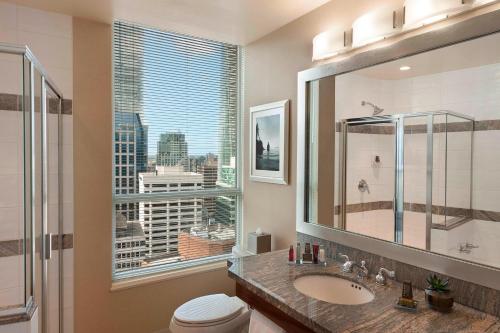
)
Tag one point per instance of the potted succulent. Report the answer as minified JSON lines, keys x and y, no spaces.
{"x":438,"y":295}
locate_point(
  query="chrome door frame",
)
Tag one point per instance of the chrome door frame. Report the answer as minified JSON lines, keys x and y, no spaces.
{"x":27,"y":309}
{"x":398,"y":197}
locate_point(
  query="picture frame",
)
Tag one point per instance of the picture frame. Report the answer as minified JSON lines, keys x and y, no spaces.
{"x":269,"y":142}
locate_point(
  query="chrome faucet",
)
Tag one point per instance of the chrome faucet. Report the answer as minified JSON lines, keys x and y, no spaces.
{"x":349,"y":265}
{"x":363,"y":186}
{"x":382,"y":272}
{"x":466,"y":247}
{"x":362,"y":270}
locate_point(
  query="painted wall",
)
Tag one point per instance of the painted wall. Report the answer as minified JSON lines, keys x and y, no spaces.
{"x":271,"y":66}
{"x":144,"y":308}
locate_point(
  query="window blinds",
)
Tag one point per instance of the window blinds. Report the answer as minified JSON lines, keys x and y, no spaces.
{"x":175,"y":148}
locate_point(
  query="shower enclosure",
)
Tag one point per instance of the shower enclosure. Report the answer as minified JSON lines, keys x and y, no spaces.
{"x":30,"y":192}
{"x":401,"y":176}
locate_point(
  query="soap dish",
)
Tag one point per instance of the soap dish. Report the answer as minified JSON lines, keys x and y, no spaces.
{"x":407,"y":305}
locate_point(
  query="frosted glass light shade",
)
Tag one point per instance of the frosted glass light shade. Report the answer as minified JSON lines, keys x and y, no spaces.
{"x":328,"y":44}
{"x":421,"y":12}
{"x":373,"y":26}
{"x":483,"y":2}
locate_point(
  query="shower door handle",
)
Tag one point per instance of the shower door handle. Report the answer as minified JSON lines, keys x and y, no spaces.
{"x":48,"y":246}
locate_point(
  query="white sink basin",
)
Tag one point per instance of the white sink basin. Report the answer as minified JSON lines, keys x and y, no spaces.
{"x":333,"y":289}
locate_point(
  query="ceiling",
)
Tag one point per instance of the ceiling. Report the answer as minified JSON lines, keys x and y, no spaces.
{"x":234,"y":21}
{"x":477,"y":52}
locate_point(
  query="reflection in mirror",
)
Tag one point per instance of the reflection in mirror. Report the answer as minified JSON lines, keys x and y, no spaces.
{"x":408,"y":155}
{"x":370,"y":175}
{"x":321,"y":196}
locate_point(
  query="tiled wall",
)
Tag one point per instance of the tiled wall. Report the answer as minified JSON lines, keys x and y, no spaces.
{"x":474,"y":92}
{"x":50,"y":38}
{"x":485,"y":234}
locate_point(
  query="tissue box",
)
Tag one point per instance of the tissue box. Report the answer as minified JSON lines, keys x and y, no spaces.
{"x":259,"y":243}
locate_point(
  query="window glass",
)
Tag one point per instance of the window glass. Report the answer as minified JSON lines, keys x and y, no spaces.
{"x":175,"y":123}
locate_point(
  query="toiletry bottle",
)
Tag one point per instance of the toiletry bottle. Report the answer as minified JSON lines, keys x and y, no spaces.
{"x":291,"y":254}
{"x":315,"y":253}
{"x":298,"y":253}
{"x":321,"y":255}
{"x":307,"y":255}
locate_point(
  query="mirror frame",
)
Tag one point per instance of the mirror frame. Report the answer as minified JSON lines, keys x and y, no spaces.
{"x":483,"y":22}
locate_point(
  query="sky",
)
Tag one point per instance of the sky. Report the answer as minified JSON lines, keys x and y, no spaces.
{"x":269,"y":130}
{"x":177,"y":98}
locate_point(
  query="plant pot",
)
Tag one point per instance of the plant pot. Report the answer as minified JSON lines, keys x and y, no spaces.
{"x":439,"y":300}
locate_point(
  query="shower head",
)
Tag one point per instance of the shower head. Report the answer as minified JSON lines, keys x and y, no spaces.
{"x":376,"y":109}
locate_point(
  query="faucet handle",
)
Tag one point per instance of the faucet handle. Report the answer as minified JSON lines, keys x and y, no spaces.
{"x":381,"y":279}
{"x":363,"y":270}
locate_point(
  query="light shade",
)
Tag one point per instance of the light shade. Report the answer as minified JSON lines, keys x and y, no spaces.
{"x":373,"y":26}
{"x":421,"y":12}
{"x":483,"y":2}
{"x":328,"y":44}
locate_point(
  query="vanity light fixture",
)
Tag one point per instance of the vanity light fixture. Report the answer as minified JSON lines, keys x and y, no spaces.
{"x":422,"y":12}
{"x":328,"y":44}
{"x":483,"y":2}
{"x":404,"y":68}
{"x":374,"y":26}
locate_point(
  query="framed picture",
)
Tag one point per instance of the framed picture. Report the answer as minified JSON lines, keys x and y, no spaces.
{"x":269,"y":142}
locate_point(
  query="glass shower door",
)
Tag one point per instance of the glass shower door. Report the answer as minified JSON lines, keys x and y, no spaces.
{"x":29,"y":192}
{"x":45,"y":173}
{"x":416,"y":230}
{"x":37,"y":191}
{"x":370,"y":169}
{"x":52,"y":218}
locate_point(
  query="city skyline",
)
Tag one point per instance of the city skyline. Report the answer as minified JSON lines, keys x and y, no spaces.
{"x":151,"y":233}
{"x":175,"y":130}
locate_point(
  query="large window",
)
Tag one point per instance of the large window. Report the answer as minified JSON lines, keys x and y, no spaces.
{"x":176,"y":189}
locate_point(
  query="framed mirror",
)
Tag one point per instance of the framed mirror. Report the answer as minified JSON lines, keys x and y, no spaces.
{"x":397,"y":148}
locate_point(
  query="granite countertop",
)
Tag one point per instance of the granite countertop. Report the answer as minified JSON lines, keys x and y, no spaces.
{"x":271,"y":277}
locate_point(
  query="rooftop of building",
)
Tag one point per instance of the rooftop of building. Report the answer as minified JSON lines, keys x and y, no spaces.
{"x":214,"y":232}
{"x":129,"y":229}
{"x":170,"y":174}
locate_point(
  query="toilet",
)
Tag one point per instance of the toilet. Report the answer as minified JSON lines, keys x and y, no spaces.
{"x":216,"y":313}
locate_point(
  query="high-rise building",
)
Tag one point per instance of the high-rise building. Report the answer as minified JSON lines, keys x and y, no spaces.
{"x":209,"y":172}
{"x":227,"y":174}
{"x":131,"y":132}
{"x":225,"y":211}
{"x":228,"y":129}
{"x":130,"y":157}
{"x":164,"y":220}
{"x":172,"y":150}
{"x":130,"y":245}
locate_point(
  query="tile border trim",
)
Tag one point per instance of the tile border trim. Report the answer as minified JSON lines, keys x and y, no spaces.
{"x":9,"y":248}
{"x":478,"y":214}
{"x":13,"y":102}
{"x":479,"y":125}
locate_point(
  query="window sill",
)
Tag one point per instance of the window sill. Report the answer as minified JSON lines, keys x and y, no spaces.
{"x":167,"y":275}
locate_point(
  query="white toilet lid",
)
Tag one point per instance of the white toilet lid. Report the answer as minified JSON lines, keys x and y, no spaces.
{"x":208,"y":309}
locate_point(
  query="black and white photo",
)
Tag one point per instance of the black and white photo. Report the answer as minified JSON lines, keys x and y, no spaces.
{"x":269,"y":142}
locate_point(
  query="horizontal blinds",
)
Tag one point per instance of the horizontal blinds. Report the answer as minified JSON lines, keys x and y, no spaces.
{"x":178,"y":94}
{"x":175,"y":147}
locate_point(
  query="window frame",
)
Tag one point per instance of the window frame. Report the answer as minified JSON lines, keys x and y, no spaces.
{"x":193,"y":265}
